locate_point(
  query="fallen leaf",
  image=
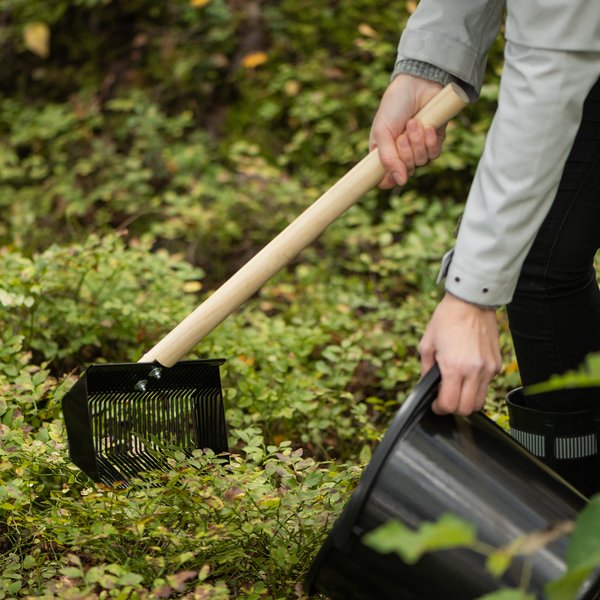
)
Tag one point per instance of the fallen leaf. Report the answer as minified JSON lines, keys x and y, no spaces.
{"x":292,"y":87}
{"x":189,"y":287}
{"x":37,"y":38}
{"x":255,"y":59}
{"x":366,"y":30}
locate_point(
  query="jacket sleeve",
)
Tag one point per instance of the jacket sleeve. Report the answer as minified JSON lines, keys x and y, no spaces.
{"x":539,"y":110}
{"x":452,"y":36}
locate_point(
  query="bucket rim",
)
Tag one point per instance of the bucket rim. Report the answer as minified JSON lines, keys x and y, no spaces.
{"x":410,"y":413}
{"x":516,"y":398}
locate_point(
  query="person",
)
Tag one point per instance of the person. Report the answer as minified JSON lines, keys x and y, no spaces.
{"x":531,"y":224}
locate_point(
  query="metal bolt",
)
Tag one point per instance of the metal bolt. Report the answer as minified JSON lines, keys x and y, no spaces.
{"x":156,"y":373}
{"x":142,"y":385}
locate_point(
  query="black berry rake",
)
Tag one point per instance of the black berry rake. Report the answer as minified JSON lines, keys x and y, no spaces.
{"x":120,"y":417}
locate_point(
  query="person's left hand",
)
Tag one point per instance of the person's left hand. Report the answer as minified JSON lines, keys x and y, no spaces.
{"x":463,"y":339}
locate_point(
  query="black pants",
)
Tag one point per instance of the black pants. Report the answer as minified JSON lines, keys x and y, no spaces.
{"x":555,"y":313}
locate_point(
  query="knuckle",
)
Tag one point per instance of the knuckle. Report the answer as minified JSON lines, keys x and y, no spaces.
{"x":424,"y":348}
{"x":477,"y":365}
{"x":454,"y":367}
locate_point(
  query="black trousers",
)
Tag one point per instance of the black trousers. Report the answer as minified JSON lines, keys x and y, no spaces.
{"x":554,"y":316}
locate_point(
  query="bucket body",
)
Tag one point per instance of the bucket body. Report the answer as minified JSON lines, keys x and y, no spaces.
{"x":427,"y":465}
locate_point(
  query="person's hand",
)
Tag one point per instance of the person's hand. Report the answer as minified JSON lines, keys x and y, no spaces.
{"x":463,"y":340}
{"x":403,"y":142}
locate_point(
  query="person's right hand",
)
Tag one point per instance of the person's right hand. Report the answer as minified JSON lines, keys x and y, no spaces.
{"x":403,"y":142}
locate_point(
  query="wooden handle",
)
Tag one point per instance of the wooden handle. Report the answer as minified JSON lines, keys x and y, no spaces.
{"x":292,"y":240}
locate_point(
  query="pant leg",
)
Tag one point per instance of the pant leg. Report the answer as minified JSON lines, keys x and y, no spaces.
{"x":554,"y":316}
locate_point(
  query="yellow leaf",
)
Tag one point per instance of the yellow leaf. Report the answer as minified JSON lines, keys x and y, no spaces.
{"x":292,"y":87}
{"x":411,"y":6}
{"x":192,"y":286}
{"x":366,"y":30}
{"x":246,"y":359}
{"x":254,"y":59}
{"x":511,"y":367}
{"x":199,"y":3}
{"x":37,"y":38}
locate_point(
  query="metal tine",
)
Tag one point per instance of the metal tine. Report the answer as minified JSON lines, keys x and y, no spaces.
{"x":205,"y":401}
{"x":107,"y":473}
{"x":142,"y":432}
{"x":189,"y":400}
{"x":178,"y":425}
{"x":181,"y":421}
{"x":200,"y":422}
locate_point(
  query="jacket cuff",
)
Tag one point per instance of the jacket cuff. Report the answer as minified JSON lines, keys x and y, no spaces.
{"x":446,"y":54}
{"x":418,"y":68}
{"x":479,"y":289}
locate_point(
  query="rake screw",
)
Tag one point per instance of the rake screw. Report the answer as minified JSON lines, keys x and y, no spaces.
{"x":142,"y":385}
{"x":156,"y":373}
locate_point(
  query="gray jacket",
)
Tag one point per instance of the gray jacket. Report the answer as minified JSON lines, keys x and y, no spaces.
{"x":552,"y":59}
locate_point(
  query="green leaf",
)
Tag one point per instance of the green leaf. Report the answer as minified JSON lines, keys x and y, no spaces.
{"x":508,"y":594}
{"x":497,"y":562}
{"x":448,"y":532}
{"x":583,"y":554}
{"x":365,"y":455}
{"x":584,"y":548}
{"x":312,"y":479}
{"x":29,"y":562}
{"x":74,"y":572}
{"x":131,"y":579}
{"x":587,"y":375}
{"x":567,"y":586}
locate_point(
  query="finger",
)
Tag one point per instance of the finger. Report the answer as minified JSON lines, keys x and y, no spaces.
{"x":427,"y":354}
{"x":387,"y":182}
{"x":449,"y":395}
{"x":416,"y":137}
{"x":405,"y":155}
{"x":433,"y":142}
{"x":441,"y":134}
{"x":391,"y":161}
{"x":472,"y":396}
{"x":427,"y":363}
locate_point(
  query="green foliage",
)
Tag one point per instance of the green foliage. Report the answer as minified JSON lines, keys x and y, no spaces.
{"x":583,"y":556}
{"x":587,"y":375}
{"x":254,"y":519}
{"x":508,"y":594}
{"x":448,"y":532}
{"x":69,"y":301}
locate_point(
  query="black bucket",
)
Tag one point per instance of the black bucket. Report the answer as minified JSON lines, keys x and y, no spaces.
{"x":425,"y":466}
